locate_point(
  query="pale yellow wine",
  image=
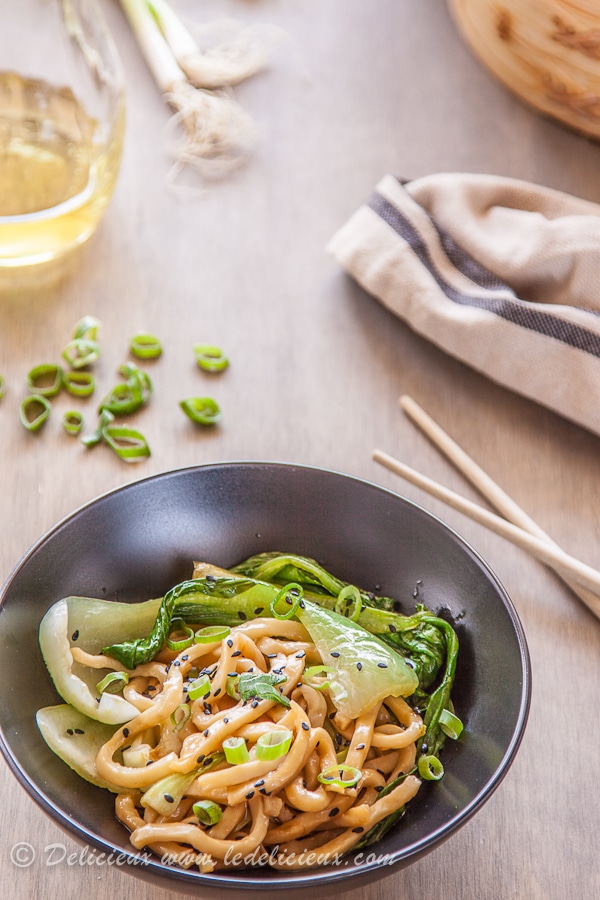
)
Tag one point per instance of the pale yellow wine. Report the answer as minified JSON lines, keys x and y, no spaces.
{"x":57,"y":173}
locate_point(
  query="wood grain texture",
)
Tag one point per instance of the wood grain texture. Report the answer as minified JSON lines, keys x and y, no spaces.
{"x":356,"y":91}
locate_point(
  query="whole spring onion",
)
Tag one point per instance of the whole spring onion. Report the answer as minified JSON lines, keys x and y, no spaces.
{"x":201,"y":410}
{"x":145,"y":346}
{"x":210,"y":358}
{"x":79,"y":383}
{"x":207,"y":812}
{"x":215,"y":135}
{"x":34,"y":411}
{"x":273,"y":744}
{"x":339,"y":776}
{"x":72,"y":422}
{"x":45,"y":379}
{"x":235,"y":750}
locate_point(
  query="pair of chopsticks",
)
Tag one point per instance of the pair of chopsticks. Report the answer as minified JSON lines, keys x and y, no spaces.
{"x":516,"y":526}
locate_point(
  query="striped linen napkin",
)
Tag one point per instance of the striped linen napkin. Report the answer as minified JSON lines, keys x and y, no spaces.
{"x":500,"y":273}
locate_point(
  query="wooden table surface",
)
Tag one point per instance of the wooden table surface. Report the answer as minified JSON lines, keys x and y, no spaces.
{"x":355,"y":90}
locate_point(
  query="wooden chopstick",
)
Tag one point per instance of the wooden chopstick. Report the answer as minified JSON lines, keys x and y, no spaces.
{"x":552,"y":555}
{"x":487,"y":487}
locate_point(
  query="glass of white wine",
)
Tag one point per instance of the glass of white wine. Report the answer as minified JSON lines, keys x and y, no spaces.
{"x":62,"y":116}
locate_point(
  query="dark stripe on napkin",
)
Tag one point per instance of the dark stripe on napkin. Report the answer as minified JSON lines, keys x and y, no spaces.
{"x":511,"y":308}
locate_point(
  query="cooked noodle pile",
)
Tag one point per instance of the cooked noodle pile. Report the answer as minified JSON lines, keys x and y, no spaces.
{"x":304,"y":807}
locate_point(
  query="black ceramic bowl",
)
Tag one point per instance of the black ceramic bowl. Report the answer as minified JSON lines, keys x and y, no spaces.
{"x":139,"y":540}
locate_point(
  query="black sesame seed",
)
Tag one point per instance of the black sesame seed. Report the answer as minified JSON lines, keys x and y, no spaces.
{"x":232,"y":674}
{"x":254,"y":704}
{"x":217,"y":692}
{"x":393,"y":629}
{"x":236,"y":653}
{"x":150,"y":761}
{"x":250,"y":795}
{"x":358,"y":830}
{"x":382,"y":665}
{"x":306,"y":726}
{"x":333,"y":812}
{"x":206,"y":733}
{"x":300,"y":655}
{"x":168,"y":798}
{"x":360,"y":746}
{"x":271,"y":655}
{"x":79,"y":731}
{"x":209,"y":577}
{"x":335,"y":653}
{"x":333,"y":714}
{"x":201,"y":758}
{"x":151,"y":687}
{"x":359,"y":666}
{"x":258,"y":610}
{"x":185,"y":657}
{"x":378,"y":788}
{"x":126,"y":732}
{"x":265,"y":792}
{"x":75,"y":635}
{"x":229,"y":642}
{"x":208,"y":761}
{"x":176,"y":662}
{"x":225,"y":721}
{"x":70,"y":731}
{"x":241,"y":614}
{"x":302,"y":604}
{"x":259,"y":783}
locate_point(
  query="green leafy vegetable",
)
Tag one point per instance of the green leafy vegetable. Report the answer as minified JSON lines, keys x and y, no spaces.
{"x":261,"y":685}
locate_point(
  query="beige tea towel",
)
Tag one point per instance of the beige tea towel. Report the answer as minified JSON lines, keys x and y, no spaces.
{"x":501,"y":273}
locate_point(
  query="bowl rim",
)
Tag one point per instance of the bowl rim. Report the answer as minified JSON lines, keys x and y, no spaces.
{"x":147,"y":865}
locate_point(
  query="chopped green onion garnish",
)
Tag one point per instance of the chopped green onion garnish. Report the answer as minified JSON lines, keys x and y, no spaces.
{"x":340,"y":775}
{"x":34,"y":411}
{"x":2,"y":387}
{"x":207,"y":811}
{"x":165,"y":795}
{"x":201,"y":410}
{"x":231,"y":686}
{"x":105,"y":419}
{"x":235,"y":750}
{"x":450,"y":724}
{"x":45,"y":379}
{"x":81,"y":352}
{"x":210,"y":358}
{"x":292,"y":595}
{"x":145,"y":346}
{"x":273,"y":744}
{"x":311,"y":677}
{"x":129,"y":444}
{"x":211,"y":634}
{"x":80,"y":384}
{"x":181,"y":636}
{"x":430,"y":768}
{"x":112,"y":683}
{"x":349,"y":602}
{"x":180,"y":716}
{"x":72,"y":422}
{"x":128,"y":396}
{"x":200,"y":687}
{"x":87,"y":329}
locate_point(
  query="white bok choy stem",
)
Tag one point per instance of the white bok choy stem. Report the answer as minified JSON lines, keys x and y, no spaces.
{"x":215,"y":134}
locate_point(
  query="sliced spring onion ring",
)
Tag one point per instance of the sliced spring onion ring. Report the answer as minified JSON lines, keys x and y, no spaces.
{"x":235,"y":750}
{"x":311,"y":677}
{"x":340,"y":775}
{"x":349,"y":602}
{"x":129,"y":444}
{"x":86,"y":329}
{"x":430,"y":768}
{"x":81,"y":352}
{"x":231,"y":686}
{"x":72,"y":422}
{"x":80,"y":384}
{"x":212,"y":634}
{"x":210,"y":358}
{"x":105,"y":419}
{"x":199,"y":687}
{"x":450,"y":724}
{"x":273,"y":744}
{"x":207,"y":811}
{"x":112,"y":683}
{"x":34,"y":411}
{"x":178,"y":627}
{"x":145,"y":346}
{"x":45,"y":379}
{"x":180,"y":716}
{"x":201,"y":410}
{"x":291,"y":594}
